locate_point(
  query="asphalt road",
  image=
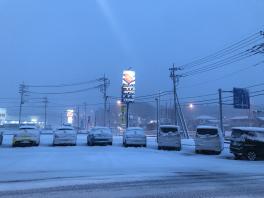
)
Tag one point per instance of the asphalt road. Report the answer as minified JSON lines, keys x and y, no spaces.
{"x":195,"y":184}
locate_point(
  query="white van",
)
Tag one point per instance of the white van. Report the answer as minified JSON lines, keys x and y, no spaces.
{"x":169,"y":137}
{"x":209,"y":138}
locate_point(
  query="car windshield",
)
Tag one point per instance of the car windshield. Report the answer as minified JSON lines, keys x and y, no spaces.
{"x":100,"y":130}
{"x":135,"y":131}
{"x":207,"y":131}
{"x":27,"y":128}
{"x":236,"y":133}
{"x":168,"y":129}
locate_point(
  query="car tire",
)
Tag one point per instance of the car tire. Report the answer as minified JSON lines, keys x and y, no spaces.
{"x":252,"y":156}
{"x":197,"y":151}
{"x":237,"y":157}
{"x":159,"y":148}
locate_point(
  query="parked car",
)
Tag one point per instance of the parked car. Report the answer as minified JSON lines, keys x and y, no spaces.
{"x":247,"y":142}
{"x":134,"y":136}
{"x":209,"y":139}
{"x":1,"y":137}
{"x":169,"y":137}
{"x":27,"y":135}
{"x":65,"y":136}
{"x":99,"y":136}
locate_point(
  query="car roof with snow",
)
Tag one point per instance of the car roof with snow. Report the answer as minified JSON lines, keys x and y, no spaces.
{"x":254,"y":129}
{"x":65,"y":128}
{"x":27,"y":127}
{"x":169,"y":126}
{"x":206,"y":127}
{"x":100,"y":127}
{"x":134,"y":128}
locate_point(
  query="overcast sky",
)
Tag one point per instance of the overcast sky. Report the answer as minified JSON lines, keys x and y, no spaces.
{"x":68,"y":41}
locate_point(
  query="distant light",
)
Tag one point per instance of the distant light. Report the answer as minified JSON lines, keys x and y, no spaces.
{"x":118,"y":102}
{"x":191,"y":106}
{"x":34,"y":120}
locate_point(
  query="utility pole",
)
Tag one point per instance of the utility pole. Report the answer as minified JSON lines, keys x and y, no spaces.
{"x":45,"y":101}
{"x":175,"y":80}
{"x":158,"y":114}
{"x":221,"y":110}
{"x":22,"y":91}
{"x":179,"y":118}
{"x":106,"y":83}
{"x":78,"y":118}
{"x":85,"y":116}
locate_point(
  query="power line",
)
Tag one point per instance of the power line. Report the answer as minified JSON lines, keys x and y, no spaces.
{"x":224,"y":51}
{"x":69,"y":84}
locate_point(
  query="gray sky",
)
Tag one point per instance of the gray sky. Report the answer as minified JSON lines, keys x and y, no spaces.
{"x":67,"y":41}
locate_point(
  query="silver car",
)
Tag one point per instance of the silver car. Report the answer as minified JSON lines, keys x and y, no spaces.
{"x":65,"y":136}
{"x":134,"y":136}
{"x":169,"y":137}
{"x":209,"y":139}
{"x":99,"y":136}
{"x":26,"y":136}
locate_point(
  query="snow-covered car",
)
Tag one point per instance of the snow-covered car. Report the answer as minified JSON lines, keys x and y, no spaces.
{"x":100,"y":136}
{"x":65,"y":136}
{"x":169,"y":137}
{"x":209,"y":138}
{"x":247,"y":142}
{"x":26,"y":136}
{"x":134,"y":136}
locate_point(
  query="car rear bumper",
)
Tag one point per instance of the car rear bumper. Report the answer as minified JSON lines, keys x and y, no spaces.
{"x":64,"y":141}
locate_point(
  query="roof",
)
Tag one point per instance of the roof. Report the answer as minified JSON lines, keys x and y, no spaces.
{"x":239,"y":118}
{"x":206,"y":127}
{"x":257,"y":129}
{"x":205,"y":117}
{"x":260,"y":118}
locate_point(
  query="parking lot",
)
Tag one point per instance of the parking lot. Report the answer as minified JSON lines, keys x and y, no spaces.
{"x":47,"y":166}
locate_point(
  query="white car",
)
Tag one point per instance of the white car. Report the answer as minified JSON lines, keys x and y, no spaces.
{"x":65,"y":135}
{"x":209,"y":138}
{"x":169,"y":137}
{"x":100,"y":136}
{"x":27,"y":136}
{"x":134,"y":136}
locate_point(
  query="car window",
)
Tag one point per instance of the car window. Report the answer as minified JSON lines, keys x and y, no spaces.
{"x":65,"y":129}
{"x":168,"y":129}
{"x":100,"y":130}
{"x":207,"y":131}
{"x":236,"y":133}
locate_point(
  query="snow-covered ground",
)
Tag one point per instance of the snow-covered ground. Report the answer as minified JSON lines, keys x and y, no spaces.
{"x":47,"y":166}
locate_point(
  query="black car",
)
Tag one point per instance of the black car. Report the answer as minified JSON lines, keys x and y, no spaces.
{"x":247,"y":142}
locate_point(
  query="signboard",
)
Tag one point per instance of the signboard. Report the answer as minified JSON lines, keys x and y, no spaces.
{"x":128,"y":86}
{"x":70,"y":114}
{"x":2,"y":116}
{"x":241,"y":98}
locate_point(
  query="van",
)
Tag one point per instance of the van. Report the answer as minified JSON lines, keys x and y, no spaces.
{"x":169,"y":137}
{"x":209,"y":139}
{"x":247,"y":142}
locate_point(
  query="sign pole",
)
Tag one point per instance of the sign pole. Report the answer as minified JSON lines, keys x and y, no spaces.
{"x":221,"y":110}
{"x":127,"y":115}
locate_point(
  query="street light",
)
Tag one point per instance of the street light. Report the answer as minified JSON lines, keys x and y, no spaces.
{"x":118,"y":102}
{"x":191,"y":106}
